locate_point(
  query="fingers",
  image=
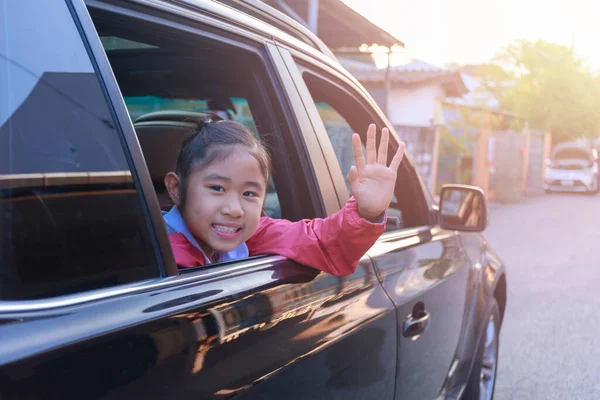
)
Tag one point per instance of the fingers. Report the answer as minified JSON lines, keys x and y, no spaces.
{"x":371,"y":151}
{"x":398,"y":157}
{"x":359,"y":158}
{"x":383,"y":146}
{"x":352,"y":175}
{"x":373,"y":155}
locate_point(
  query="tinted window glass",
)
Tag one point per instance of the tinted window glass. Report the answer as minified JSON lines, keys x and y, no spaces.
{"x":336,"y":110}
{"x":70,"y":215}
{"x":340,"y":134}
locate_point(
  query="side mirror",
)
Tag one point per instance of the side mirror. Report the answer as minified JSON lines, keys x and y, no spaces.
{"x":463,"y":208}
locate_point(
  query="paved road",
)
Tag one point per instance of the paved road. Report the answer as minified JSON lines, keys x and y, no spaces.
{"x":550,"y":342}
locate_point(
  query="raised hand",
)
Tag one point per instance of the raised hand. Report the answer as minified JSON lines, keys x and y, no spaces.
{"x":372,"y":181}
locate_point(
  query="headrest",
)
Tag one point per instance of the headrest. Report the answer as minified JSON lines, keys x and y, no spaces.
{"x":161,"y":133}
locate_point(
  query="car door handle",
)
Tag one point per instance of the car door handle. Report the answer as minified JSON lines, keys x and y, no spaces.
{"x":414,"y":326}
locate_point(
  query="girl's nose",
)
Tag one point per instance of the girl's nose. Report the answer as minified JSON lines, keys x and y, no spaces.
{"x":233,"y":207}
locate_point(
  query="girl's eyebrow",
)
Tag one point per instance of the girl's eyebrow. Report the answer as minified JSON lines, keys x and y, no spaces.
{"x":216,"y":177}
{"x":254,"y":184}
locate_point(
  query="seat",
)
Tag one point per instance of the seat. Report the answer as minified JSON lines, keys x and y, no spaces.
{"x":161,"y":134}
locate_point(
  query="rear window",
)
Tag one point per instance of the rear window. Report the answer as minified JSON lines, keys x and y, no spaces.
{"x":573,"y":154}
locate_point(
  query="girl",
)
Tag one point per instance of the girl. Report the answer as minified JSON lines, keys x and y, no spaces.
{"x":219,"y":187}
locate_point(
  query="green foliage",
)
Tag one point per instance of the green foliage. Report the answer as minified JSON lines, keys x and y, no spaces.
{"x":546,"y":85}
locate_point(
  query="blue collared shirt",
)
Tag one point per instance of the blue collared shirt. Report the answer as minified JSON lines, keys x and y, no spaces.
{"x":176,"y":224}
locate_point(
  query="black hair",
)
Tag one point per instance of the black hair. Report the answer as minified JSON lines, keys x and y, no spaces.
{"x":214,"y":141}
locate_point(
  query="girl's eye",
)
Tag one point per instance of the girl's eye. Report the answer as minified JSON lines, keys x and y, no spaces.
{"x":250,"y":194}
{"x":216,"y":188}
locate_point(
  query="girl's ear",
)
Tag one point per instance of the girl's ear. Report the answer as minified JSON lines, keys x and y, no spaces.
{"x":173,"y":185}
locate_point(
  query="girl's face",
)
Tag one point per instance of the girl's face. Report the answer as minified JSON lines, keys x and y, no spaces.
{"x":224,"y":202}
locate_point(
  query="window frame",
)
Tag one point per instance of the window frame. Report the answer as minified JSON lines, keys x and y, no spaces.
{"x":419,"y":201}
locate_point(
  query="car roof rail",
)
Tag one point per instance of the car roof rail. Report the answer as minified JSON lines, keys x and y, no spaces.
{"x":268,"y":14}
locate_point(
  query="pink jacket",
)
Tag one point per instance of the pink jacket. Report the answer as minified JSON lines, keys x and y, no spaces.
{"x":334,"y":244}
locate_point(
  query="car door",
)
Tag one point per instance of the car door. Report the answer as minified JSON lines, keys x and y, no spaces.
{"x":423,"y":268}
{"x":91,"y":303}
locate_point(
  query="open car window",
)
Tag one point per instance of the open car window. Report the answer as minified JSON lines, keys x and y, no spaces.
{"x":170,"y":83}
{"x":157,"y":77}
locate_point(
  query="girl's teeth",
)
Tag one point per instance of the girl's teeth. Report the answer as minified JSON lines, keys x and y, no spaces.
{"x":225,"y":229}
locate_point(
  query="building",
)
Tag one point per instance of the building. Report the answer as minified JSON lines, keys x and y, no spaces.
{"x":415,"y":99}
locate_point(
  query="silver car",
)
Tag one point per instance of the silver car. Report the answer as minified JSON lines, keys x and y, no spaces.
{"x":573,"y":167}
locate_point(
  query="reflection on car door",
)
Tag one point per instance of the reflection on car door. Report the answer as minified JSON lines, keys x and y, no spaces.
{"x":208,"y":335}
{"x":425,"y":272}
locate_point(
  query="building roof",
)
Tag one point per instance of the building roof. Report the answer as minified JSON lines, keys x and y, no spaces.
{"x":415,"y":72}
{"x":339,"y":26}
{"x":477,"y":96}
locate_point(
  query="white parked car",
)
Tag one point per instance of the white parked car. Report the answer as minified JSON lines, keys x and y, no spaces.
{"x":572,"y":167}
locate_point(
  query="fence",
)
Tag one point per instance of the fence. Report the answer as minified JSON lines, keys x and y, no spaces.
{"x":505,"y":154}
{"x":506,"y":159}
{"x":536,"y":162}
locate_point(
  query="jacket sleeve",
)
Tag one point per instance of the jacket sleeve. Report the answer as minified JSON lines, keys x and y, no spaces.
{"x":334,"y":244}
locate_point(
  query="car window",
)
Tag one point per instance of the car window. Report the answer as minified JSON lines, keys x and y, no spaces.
{"x":71,"y":218}
{"x":339,"y":132}
{"x":342,"y":114}
{"x":212,"y":93}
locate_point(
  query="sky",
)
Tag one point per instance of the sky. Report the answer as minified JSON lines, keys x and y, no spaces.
{"x":471,"y":31}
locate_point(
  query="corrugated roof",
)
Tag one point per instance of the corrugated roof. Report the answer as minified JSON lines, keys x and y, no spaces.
{"x":477,"y":96}
{"x":412,"y":73}
{"x":413,"y":65}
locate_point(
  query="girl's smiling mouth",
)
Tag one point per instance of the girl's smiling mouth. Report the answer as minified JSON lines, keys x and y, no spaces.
{"x":227,"y":231}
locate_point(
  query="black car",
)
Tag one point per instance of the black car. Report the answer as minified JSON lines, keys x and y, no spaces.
{"x":92,"y":304}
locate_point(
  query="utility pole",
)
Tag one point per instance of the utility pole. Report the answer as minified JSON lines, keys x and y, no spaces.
{"x":388,"y":84}
{"x":313,"y":15}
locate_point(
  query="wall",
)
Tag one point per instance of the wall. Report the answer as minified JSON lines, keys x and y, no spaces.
{"x":409,"y":105}
{"x":412,"y":110}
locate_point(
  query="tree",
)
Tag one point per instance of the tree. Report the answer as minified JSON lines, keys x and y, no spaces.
{"x":548,"y":86}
